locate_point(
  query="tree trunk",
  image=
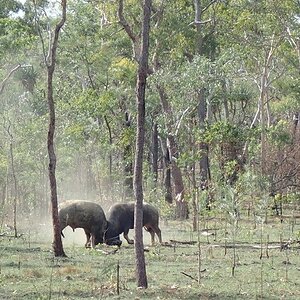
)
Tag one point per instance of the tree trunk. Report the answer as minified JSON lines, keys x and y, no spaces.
{"x":181,"y":205}
{"x":202,"y":104}
{"x":15,"y":188}
{"x":154,"y":151}
{"x":295,"y":126}
{"x":204,"y":160}
{"x":14,"y":178}
{"x":263,"y":86}
{"x":51,"y":61}
{"x":128,"y":184}
{"x":110,"y":144}
{"x":167,"y":171}
{"x":140,"y":136}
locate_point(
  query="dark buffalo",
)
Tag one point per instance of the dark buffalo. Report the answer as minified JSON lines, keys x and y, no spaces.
{"x":121,"y":218}
{"x":86,"y":215}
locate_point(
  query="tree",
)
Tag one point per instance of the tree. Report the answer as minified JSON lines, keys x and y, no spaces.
{"x":50,"y":61}
{"x":200,"y":9}
{"x":140,"y":134}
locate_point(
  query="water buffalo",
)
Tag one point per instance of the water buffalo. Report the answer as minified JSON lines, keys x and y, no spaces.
{"x":86,"y":215}
{"x":120,"y":219}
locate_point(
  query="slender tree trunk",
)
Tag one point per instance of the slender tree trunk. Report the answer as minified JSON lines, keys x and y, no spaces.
{"x":110,"y":144}
{"x":262,"y":101}
{"x":14,"y":178}
{"x":202,"y":104}
{"x":128,"y":181}
{"x":140,"y":136}
{"x":181,"y":205}
{"x":295,"y":126}
{"x":155,"y":154}
{"x":15,"y":188}
{"x":167,"y":171}
{"x":51,"y":61}
{"x":204,"y":160}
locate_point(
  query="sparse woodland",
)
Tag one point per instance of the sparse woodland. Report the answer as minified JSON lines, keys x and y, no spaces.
{"x":192,"y":106}
{"x":221,"y":104}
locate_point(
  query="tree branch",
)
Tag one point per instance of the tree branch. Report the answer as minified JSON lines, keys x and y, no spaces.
{"x":124,"y":23}
{"x":3,"y":83}
{"x":56,"y":33}
{"x":208,"y":6}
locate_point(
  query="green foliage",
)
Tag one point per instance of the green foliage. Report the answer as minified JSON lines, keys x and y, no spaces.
{"x":14,"y":35}
{"x":280,"y":134}
{"x":95,"y":80}
{"x":221,"y":132}
{"x":124,"y":70}
{"x":8,"y":7}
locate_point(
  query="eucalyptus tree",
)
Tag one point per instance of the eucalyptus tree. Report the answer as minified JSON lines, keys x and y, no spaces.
{"x":132,"y":28}
{"x":140,"y":137}
{"x":96,"y":108}
{"x":264,"y":35}
{"x":16,"y":38}
{"x":50,"y":63}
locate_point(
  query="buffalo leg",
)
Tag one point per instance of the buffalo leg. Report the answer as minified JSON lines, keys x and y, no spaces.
{"x":158,"y":233}
{"x":92,"y":241}
{"x":88,"y":239}
{"x":125,"y":234}
{"x":152,"y":233}
{"x":152,"y":230}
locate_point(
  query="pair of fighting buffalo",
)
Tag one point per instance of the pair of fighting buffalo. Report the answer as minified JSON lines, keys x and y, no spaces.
{"x":99,"y":229}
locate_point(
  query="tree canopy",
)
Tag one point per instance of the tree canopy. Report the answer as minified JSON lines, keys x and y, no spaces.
{"x":240,"y":60}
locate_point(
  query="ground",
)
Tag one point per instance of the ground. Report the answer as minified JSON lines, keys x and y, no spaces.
{"x":243,"y":260}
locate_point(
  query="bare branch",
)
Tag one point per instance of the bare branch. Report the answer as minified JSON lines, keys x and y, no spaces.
{"x":3,"y":83}
{"x":208,"y":5}
{"x":200,"y":22}
{"x":48,"y":57}
{"x":180,"y":120}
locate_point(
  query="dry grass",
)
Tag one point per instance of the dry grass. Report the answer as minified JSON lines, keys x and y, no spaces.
{"x":263,"y":269}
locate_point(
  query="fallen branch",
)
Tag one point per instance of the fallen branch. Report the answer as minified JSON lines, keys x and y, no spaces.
{"x":190,"y":276}
{"x":5,"y":234}
{"x":184,"y":242}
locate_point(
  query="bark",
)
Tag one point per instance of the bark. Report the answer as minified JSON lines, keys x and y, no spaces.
{"x":135,"y":38}
{"x":263,"y":87}
{"x":202,"y":104}
{"x":204,"y":160}
{"x":50,"y":62}
{"x":110,"y":144}
{"x":175,"y":170}
{"x":295,"y":125}
{"x":14,"y":178}
{"x":15,"y":188}
{"x":181,"y":205}
{"x":128,"y":169}
{"x":167,"y":171}
{"x":140,"y":136}
{"x":155,"y":153}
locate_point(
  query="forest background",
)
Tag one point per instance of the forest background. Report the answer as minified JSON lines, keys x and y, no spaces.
{"x":222,"y":104}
